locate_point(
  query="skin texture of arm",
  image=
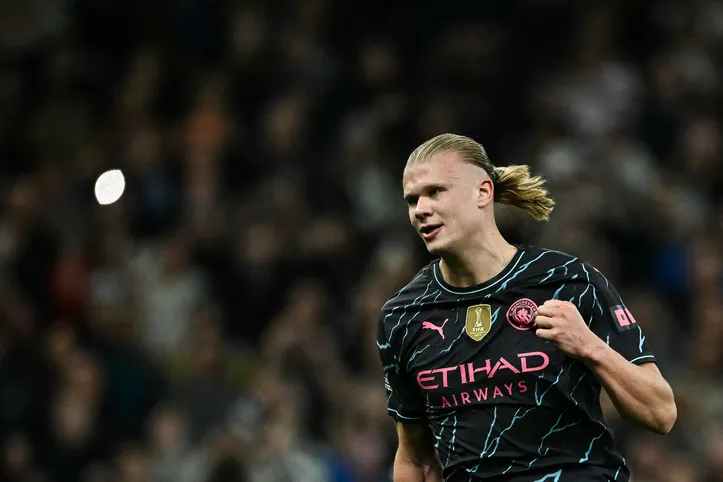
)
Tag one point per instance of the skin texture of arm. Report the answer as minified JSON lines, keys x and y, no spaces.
{"x":639,"y":392}
{"x":416,"y":459}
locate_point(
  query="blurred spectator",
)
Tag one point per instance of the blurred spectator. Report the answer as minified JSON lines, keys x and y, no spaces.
{"x":173,"y":459}
{"x":218,"y":322}
{"x":172,"y":290}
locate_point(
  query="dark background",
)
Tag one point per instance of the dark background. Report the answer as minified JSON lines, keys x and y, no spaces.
{"x":217,"y":323}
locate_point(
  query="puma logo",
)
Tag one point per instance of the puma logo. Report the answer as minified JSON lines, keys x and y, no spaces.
{"x":428,"y":325}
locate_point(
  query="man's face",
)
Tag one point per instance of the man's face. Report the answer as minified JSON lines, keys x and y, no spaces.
{"x":445,"y":196}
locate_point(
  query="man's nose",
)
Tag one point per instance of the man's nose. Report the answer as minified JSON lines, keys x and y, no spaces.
{"x":422,"y":209}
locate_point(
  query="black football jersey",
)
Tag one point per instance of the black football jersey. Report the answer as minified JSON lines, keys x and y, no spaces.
{"x":502,"y":403}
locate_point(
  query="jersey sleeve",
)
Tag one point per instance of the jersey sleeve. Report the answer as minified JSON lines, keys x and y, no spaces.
{"x":611,"y":320}
{"x":404,"y":399}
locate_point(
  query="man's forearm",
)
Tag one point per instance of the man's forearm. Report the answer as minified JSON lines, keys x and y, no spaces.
{"x":639,"y":394}
{"x":407,"y":471}
{"x":416,"y":459}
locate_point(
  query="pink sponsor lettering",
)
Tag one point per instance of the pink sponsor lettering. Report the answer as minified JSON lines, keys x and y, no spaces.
{"x":444,"y":371}
{"x":472,"y":373}
{"x":502,"y":363}
{"x":482,"y":394}
{"x":525,"y":356}
{"x":472,"y":370}
{"x":422,"y":379}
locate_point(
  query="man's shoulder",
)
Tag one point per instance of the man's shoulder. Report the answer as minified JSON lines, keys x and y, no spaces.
{"x":551,"y":257}
{"x":413,"y":290}
{"x":561,"y":265}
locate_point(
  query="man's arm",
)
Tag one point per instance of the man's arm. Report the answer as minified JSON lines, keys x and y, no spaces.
{"x":639,"y":392}
{"x":416,"y":459}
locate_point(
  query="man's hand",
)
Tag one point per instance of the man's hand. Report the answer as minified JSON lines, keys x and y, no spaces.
{"x":560,"y":322}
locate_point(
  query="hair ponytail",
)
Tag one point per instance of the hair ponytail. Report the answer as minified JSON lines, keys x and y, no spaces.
{"x":515,"y":186}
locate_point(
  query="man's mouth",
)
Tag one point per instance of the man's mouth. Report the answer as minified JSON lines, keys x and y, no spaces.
{"x":429,"y":231}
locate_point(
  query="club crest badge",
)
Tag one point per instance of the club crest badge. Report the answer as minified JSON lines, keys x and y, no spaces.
{"x":521,"y":314}
{"x":478,"y":321}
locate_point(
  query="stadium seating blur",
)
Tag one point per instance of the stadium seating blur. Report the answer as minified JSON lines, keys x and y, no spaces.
{"x":218,"y":322}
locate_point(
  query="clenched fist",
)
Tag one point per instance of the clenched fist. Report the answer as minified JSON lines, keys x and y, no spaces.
{"x":560,"y":323}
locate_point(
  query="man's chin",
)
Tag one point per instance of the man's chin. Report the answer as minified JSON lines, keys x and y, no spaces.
{"x":436,"y":248}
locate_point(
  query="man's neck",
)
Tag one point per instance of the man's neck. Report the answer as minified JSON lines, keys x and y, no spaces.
{"x":479,"y":263}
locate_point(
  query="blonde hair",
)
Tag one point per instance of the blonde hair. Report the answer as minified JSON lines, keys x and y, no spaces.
{"x":513,"y":184}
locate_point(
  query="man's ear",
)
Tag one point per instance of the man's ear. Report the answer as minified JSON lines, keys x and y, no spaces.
{"x":485,"y":192}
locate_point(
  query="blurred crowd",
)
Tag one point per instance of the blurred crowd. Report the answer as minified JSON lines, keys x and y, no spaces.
{"x":218,"y":322}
